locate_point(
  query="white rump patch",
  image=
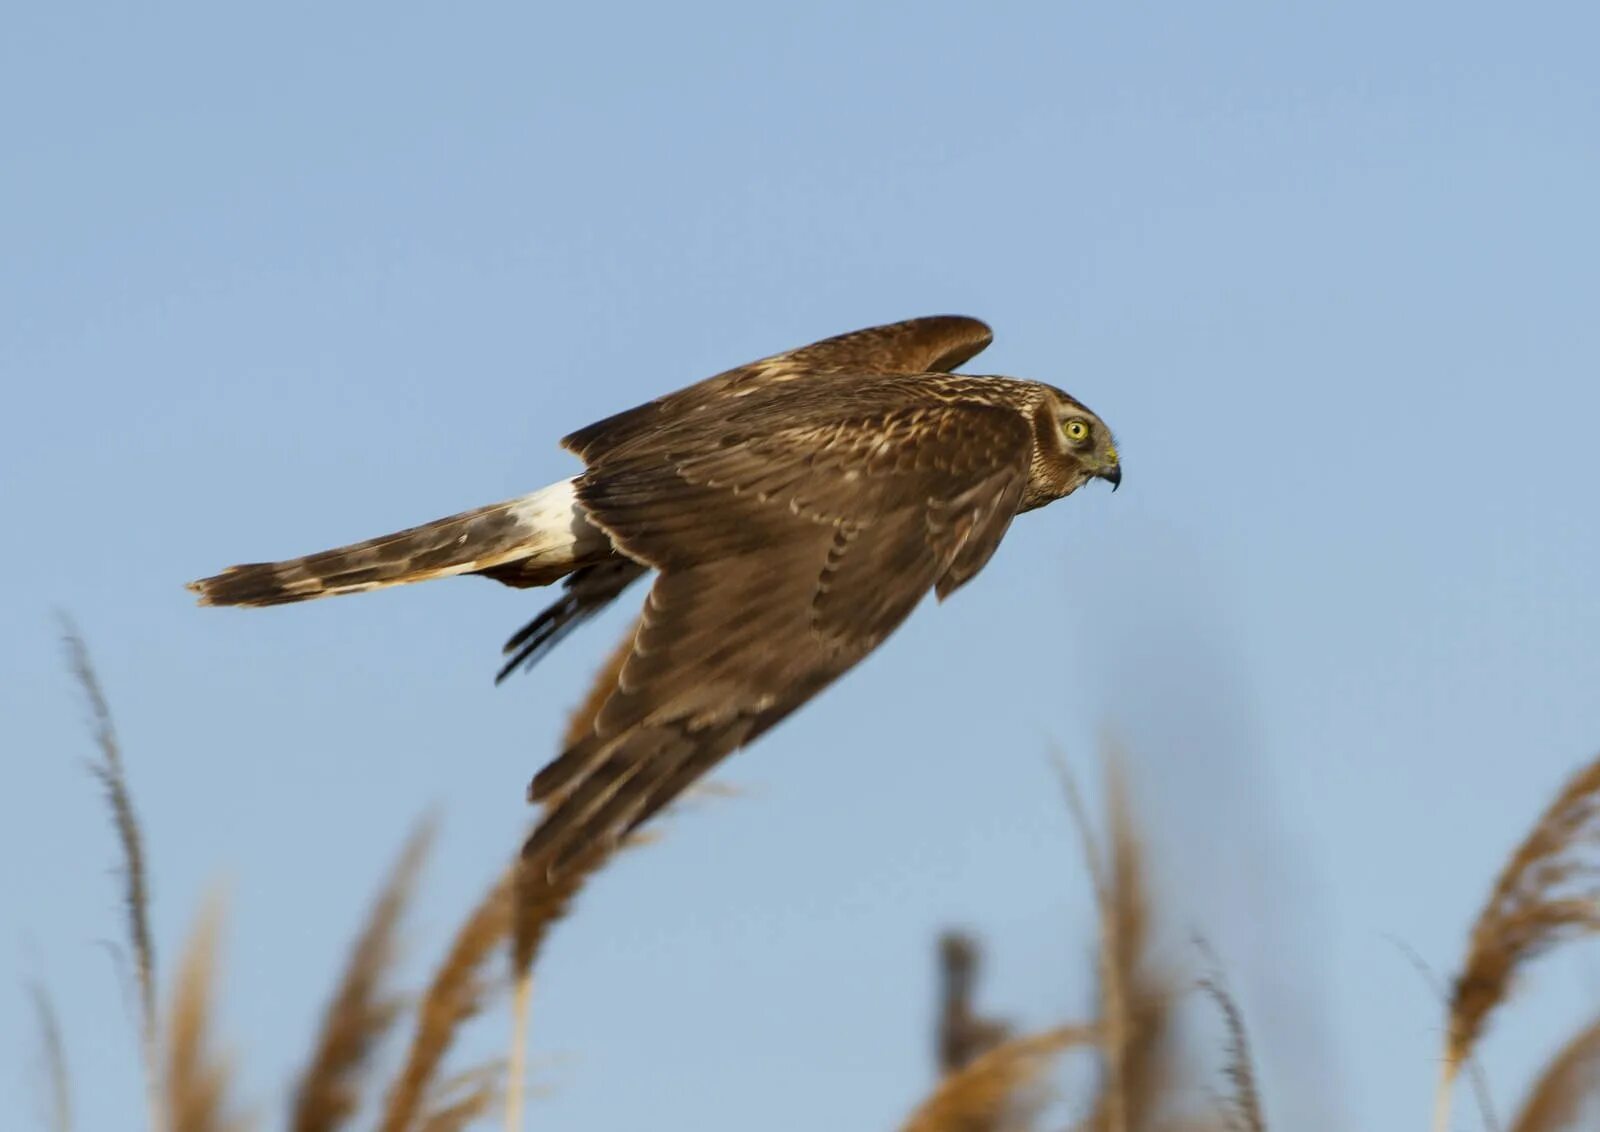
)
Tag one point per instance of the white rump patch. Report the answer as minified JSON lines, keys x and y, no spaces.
{"x":557,"y":528}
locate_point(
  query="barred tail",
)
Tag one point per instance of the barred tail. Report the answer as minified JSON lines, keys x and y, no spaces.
{"x":534,"y":539}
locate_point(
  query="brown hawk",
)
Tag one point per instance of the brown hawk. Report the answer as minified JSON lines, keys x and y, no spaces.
{"x":794,"y":510}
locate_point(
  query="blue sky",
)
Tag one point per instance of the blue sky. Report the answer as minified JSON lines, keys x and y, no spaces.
{"x":275,"y":281}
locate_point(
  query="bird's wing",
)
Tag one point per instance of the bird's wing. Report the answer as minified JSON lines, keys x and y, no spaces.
{"x":936,"y":344}
{"x":786,"y":555}
{"x":920,"y":345}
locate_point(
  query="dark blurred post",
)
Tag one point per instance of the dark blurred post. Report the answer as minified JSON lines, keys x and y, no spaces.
{"x":963,"y":1036}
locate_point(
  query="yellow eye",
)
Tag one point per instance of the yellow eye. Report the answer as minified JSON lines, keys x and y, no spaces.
{"x":1076,"y":430}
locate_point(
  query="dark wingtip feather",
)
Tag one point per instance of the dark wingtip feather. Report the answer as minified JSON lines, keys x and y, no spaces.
{"x":561,"y":771}
{"x":528,"y":644}
{"x":521,"y":636}
{"x":585,"y":592}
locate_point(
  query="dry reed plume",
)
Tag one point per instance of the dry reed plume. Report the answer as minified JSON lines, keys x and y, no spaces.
{"x":195,"y":1077}
{"x":993,"y":1091}
{"x":108,"y":770}
{"x":188,"y":1081}
{"x":54,"y":1051}
{"x":461,"y":1099}
{"x":1245,"y":1113}
{"x":1135,"y":995}
{"x":995,"y":1085}
{"x":1546,"y":893}
{"x":362,"y":1009}
{"x":540,"y":901}
{"x":1569,"y":1082}
{"x":453,"y":997}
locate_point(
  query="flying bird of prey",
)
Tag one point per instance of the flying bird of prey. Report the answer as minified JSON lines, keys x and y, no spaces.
{"x":794,"y":510}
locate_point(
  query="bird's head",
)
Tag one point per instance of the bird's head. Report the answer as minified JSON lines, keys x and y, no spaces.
{"x":1071,"y":447}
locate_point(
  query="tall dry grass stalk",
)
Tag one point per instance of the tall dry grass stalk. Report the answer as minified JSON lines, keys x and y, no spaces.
{"x":1245,"y":1112}
{"x":54,"y":1050}
{"x":1569,"y":1082}
{"x":453,"y":997}
{"x":196,"y":1078}
{"x":108,"y":770}
{"x":998,"y":1088}
{"x":1135,"y":995}
{"x":1546,"y":893}
{"x":362,"y":1009}
{"x":541,"y":902}
{"x":517,"y":1060}
{"x":458,"y":1101}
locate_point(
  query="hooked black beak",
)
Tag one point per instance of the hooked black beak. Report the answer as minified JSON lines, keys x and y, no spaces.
{"x":1112,"y":475}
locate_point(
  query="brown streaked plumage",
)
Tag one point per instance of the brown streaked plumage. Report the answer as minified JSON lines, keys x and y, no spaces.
{"x":795,"y":510}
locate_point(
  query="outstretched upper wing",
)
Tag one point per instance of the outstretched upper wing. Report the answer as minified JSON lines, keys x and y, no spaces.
{"x":936,"y":344}
{"x":919,"y":345}
{"x":787,"y":553}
